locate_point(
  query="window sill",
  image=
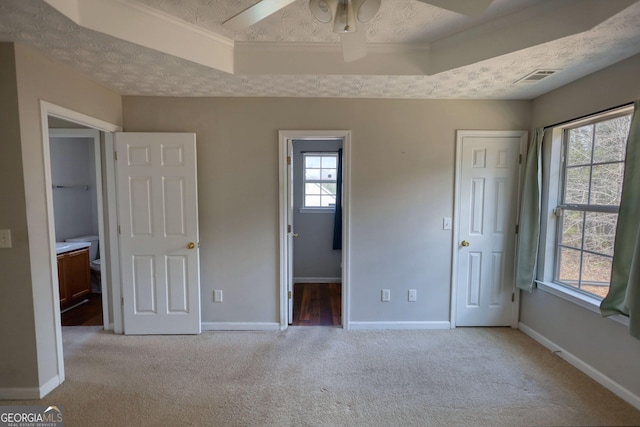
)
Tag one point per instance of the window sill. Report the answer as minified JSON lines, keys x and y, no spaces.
{"x":317,"y":210}
{"x":584,"y":301}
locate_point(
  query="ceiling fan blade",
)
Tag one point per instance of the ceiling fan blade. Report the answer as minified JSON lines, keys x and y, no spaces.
{"x":465,"y":7}
{"x":354,"y":45}
{"x":255,"y":13}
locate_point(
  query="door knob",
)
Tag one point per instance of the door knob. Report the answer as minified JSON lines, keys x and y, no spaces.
{"x":191,"y":245}
{"x":464,"y":243}
{"x":295,"y":235}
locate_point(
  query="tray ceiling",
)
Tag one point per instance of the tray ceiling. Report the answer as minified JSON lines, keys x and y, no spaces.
{"x":415,"y":50}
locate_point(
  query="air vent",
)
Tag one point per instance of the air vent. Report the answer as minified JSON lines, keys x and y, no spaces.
{"x":536,"y":76}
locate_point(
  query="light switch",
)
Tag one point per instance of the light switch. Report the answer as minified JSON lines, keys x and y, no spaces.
{"x":5,"y":238}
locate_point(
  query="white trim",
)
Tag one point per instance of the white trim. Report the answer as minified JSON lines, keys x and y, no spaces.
{"x":46,"y":110}
{"x":29,"y":393}
{"x":589,"y":370}
{"x":330,"y":210}
{"x":317,"y":279}
{"x":240,"y":326}
{"x":585,"y":301}
{"x":285,"y":138}
{"x":460,"y":134}
{"x":399,"y":325}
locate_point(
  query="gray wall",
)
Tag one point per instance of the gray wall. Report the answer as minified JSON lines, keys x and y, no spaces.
{"x":402,"y":178}
{"x":75,"y":210}
{"x":601,"y":343}
{"x":27,"y":316}
{"x":313,"y":254}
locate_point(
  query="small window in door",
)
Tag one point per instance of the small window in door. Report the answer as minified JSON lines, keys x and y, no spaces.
{"x":320,"y":180}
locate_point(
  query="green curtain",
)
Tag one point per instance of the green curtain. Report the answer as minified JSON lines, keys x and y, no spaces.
{"x":529,"y":223}
{"x":624,"y":292}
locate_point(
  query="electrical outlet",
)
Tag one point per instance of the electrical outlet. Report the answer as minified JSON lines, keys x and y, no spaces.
{"x":386,"y":295}
{"x":217,"y":295}
{"x":5,"y":238}
{"x":446,"y":223}
{"x":413,"y":295}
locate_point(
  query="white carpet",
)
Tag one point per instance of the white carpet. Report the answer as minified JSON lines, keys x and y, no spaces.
{"x":323,"y":376}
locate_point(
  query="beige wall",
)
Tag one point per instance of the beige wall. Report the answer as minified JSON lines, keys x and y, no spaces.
{"x":402,"y":174}
{"x":18,"y":348}
{"x":601,"y":343}
{"x":30,"y":261}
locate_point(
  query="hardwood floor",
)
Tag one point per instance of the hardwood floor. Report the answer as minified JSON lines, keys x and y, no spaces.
{"x":317,"y":304}
{"x":87,"y":314}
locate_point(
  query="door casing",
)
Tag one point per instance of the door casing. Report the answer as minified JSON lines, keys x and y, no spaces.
{"x":460,"y":135}
{"x":285,"y":149}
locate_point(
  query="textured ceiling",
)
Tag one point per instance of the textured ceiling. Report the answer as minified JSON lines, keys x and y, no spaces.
{"x":131,"y":69}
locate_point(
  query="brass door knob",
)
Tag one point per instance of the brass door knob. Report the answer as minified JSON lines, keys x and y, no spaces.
{"x":191,"y":245}
{"x":464,"y":243}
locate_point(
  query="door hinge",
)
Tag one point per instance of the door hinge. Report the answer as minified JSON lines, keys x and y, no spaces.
{"x":119,"y":231}
{"x":288,"y":160}
{"x":289,"y":228}
{"x":517,"y":228}
{"x":513,"y":297}
{"x":115,"y":155}
{"x":289,"y":294}
{"x":520,"y":159}
{"x":122,"y":301}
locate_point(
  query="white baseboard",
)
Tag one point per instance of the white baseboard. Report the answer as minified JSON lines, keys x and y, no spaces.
{"x":589,"y":370}
{"x":398,"y":325}
{"x":29,"y":393}
{"x":317,"y":280}
{"x":240,"y":326}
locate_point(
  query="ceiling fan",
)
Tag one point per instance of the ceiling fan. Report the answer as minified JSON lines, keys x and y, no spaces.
{"x":345,"y":15}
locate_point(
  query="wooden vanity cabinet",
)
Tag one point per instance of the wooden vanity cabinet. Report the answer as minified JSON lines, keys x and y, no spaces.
{"x":74,"y":277}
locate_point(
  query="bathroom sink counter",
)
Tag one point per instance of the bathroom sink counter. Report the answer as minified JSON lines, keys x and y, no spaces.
{"x":63,"y":247}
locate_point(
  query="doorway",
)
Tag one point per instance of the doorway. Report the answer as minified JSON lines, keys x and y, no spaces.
{"x":314,"y":275}
{"x":76,"y":176}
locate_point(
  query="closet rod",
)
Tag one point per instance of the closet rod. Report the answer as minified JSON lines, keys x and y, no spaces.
{"x":79,"y":187}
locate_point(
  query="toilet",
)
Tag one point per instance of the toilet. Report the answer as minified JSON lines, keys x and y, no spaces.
{"x":94,"y":257}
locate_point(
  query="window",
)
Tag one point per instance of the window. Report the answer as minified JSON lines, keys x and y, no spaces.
{"x":592,"y":170}
{"x":320,"y":180}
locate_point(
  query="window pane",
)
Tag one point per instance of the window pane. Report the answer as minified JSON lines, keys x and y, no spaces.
{"x":312,"y":174}
{"x":572,"y":223}
{"x":312,"y":201}
{"x":312,"y":162}
{"x":329,"y":188}
{"x":606,"y":184}
{"x":569,"y":266}
{"x":596,"y":270}
{"x":600,"y":232}
{"x":329,"y":162}
{"x":611,"y":139}
{"x":328,"y":201}
{"x":312,"y":189}
{"x":328,"y":174}
{"x":579,"y":146}
{"x":577,"y":186}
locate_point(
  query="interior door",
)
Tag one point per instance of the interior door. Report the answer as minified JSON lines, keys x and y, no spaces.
{"x":158,"y":225}
{"x":488,"y":165}
{"x":290,"y":230}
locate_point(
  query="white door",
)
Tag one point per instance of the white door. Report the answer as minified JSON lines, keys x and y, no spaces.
{"x":290,"y":230}
{"x":158,"y":221}
{"x":487,"y":190}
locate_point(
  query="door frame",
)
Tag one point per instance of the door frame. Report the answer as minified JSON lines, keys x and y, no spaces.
{"x":285,"y":148}
{"x":460,"y":135}
{"x":46,"y":110}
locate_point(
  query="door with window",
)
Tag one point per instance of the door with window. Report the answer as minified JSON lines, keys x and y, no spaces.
{"x":487,"y":197}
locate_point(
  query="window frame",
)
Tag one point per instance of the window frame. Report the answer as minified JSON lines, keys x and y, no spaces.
{"x":552,"y":182}
{"x":317,"y":209}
